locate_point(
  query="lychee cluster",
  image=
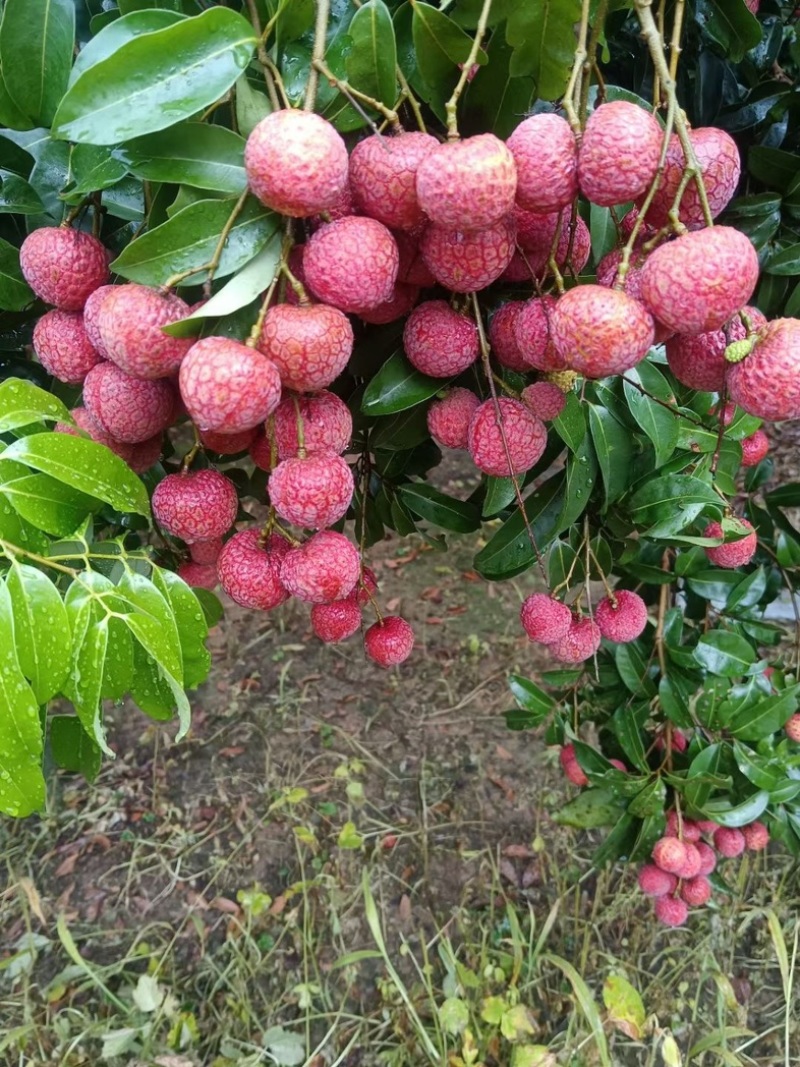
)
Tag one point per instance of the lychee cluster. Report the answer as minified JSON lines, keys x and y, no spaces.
{"x":573,"y":637}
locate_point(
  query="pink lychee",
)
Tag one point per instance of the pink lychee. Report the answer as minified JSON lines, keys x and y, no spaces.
{"x":535,"y":237}
{"x":195,"y":505}
{"x":534,"y":334}
{"x":754,"y":448}
{"x":206,"y":552}
{"x":389,"y":641}
{"x":708,"y":858}
{"x":63,"y":266}
{"x":249,"y":569}
{"x":692,"y":863}
{"x":607,"y":272}
{"x":365,"y":589}
{"x":412,"y":269}
{"x":544,"y":618}
{"x":656,"y":883}
{"x":669,"y":854}
{"x":544,"y":399}
{"x":309,"y":345}
{"x":503,"y":339}
{"x":130,"y":409}
{"x":618,"y":155}
{"x":766,"y":383}
{"x":546,"y":156}
{"x":335,"y":622}
{"x":698,"y":360}
{"x":791,"y":726}
{"x":696,"y":891}
{"x":599,"y":331}
{"x":672,"y":911}
{"x":467,"y":185}
{"x":467,"y":262}
{"x":756,"y":836}
{"x":505,"y":438}
{"x":396,"y":307}
{"x":228,"y":387}
{"x":449,"y":418}
{"x":621,"y":617}
{"x":729,"y":841}
{"x":63,"y":347}
{"x":312,"y":491}
{"x":720,"y":167}
{"x":129,"y":321}
{"x":227,"y":444}
{"x":324,"y":568}
{"x":352,"y":263}
{"x":326,"y":421}
{"x":199,"y":575}
{"x":383,"y":174}
{"x":580,"y":642}
{"x":733,"y":553}
{"x":574,"y":773}
{"x":687,"y":829}
{"x":91,"y":317}
{"x":439,"y":341}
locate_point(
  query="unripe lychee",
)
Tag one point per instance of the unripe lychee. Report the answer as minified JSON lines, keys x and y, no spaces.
{"x":624,"y":620}
{"x":720,"y":167}
{"x":696,"y":891}
{"x":672,"y":911}
{"x":323,"y":569}
{"x":544,"y":399}
{"x":693,"y":862}
{"x":439,"y":341}
{"x":546,"y":155}
{"x":91,"y":317}
{"x":396,"y":307}
{"x":791,"y":726}
{"x":655,"y":882}
{"x":227,"y":444}
{"x":733,"y":553}
{"x":309,"y":345}
{"x":228,"y":387}
{"x":618,"y":155}
{"x":509,"y":446}
{"x":63,"y":347}
{"x":708,"y":858}
{"x":249,"y":569}
{"x":579,"y":643}
{"x":698,"y":281}
{"x":535,"y":237}
{"x":503,"y":338}
{"x":63,"y":266}
{"x":698,"y":360}
{"x":766,"y":383}
{"x":389,"y":641}
{"x":599,"y":331}
{"x":352,"y":263}
{"x":754,"y":448}
{"x":296,"y":163}
{"x":467,"y":185}
{"x":130,"y":409}
{"x":669,"y":854}
{"x":729,"y":841}
{"x":756,"y":836}
{"x":544,"y":618}
{"x":534,"y":334}
{"x":199,"y":575}
{"x":468,"y":262}
{"x":383,"y":174}
{"x":326,"y":421}
{"x":206,"y":552}
{"x":195,"y":505}
{"x":312,"y":491}
{"x":129,"y":321}
{"x":365,"y":589}
{"x":449,"y":418}
{"x":335,"y":622}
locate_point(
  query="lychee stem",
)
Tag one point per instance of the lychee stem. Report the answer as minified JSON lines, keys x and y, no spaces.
{"x":213,"y":263}
{"x":318,"y":53}
{"x":298,"y":418}
{"x":189,"y":458}
{"x":452,"y":103}
{"x":590,"y":62}
{"x":261,"y":50}
{"x":295,"y":283}
{"x":355,"y":95}
{"x":258,"y":325}
{"x":413,"y":103}
{"x":675,"y":42}
{"x":609,"y":591}
{"x":574,"y":87}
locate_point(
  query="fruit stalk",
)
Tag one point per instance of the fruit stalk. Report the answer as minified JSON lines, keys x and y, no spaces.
{"x":318,"y":54}
{"x":261,"y":51}
{"x":452,"y":103}
{"x":574,"y":86}
{"x":213,"y":263}
{"x":354,"y":96}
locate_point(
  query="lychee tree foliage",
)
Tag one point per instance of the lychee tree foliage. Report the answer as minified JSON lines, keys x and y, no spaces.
{"x":497,"y":297}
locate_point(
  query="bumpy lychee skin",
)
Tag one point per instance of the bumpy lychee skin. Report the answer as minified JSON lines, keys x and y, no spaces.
{"x":227,"y":444}
{"x":312,"y":491}
{"x":143,"y":455}
{"x":195,"y":505}
{"x":63,"y":347}
{"x":754,"y":448}
{"x":326,"y":421}
{"x":544,"y":399}
{"x":693,"y":863}
{"x":228,"y":387}
{"x":546,"y":155}
{"x":671,"y":911}
{"x":696,"y":891}
{"x":525,"y":438}
{"x":91,"y":317}
{"x":766,"y":383}
{"x":791,"y":726}
{"x":390,"y":641}
{"x":619,"y":151}
{"x":574,"y":773}
{"x":656,"y":883}
{"x":729,"y":842}
{"x":580,"y":643}
{"x":296,"y":163}
{"x":439,"y":341}
{"x":323,"y":569}
{"x":607,"y":270}
{"x":309,"y":345}
{"x":734,"y":553}
{"x":383,"y":175}
{"x":698,"y":281}
{"x":412,"y":270}
{"x":396,"y":307}
{"x":129,"y":321}
{"x":467,"y":185}
{"x":199,"y":575}
{"x":686,"y":829}
{"x":130,"y":409}
{"x":545,"y":619}
{"x":599,"y":331}
{"x":449,"y":418}
{"x":206,"y":552}
{"x":352,"y":263}
{"x":535,"y":236}
{"x":63,"y":266}
{"x":624,"y":620}
{"x":468,"y":262}
{"x":756,"y":836}
{"x":669,"y":854}
{"x":534,"y":334}
{"x":698,"y":360}
{"x":708,"y":858}
{"x":249,"y":569}
{"x":335,"y":622}
{"x":720,"y":166}
{"x":503,"y":338}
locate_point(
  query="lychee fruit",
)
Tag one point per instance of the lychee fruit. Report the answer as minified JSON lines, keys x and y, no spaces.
{"x":503,"y":338}
{"x":696,"y":891}
{"x":505,"y":438}
{"x":63,"y":347}
{"x":573,"y":772}
{"x":227,"y":444}
{"x":199,"y":575}
{"x":599,"y":331}
{"x":91,"y":317}
{"x":326,"y":421}
{"x":195,"y":505}
{"x":669,"y":854}
{"x":63,"y":266}
{"x":383,"y":174}
{"x":729,"y":841}
{"x":766,"y":382}
{"x":698,"y":360}
{"x":707,"y":826}
{"x":756,"y":836}
{"x":449,"y":418}
{"x":720,"y":167}
{"x":656,"y":883}
{"x":396,"y":307}
{"x":310,"y":345}
{"x":621,"y":617}
{"x":466,"y":262}
{"x":534,"y":334}
{"x":412,"y":270}
{"x":467,"y":185}
{"x":580,"y":642}
{"x":693,"y":862}
{"x":439,"y":341}
{"x":544,"y":399}
{"x":352,"y":263}
{"x":206,"y":552}
{"x":296,"y":163}
{"x":86,"y":422}
{"x":389,"y":641}
{"x":365,"y":589}
{"x":791,"y":726}
{"x":312,"y":491}
{"x":129,"y":321}
{"x":687,"y":829}
{"x":672,"y":911}
{"x":249,"y":568}
{"x":607,"y":271}
{"x":335,"y":622}
{"x":698,"y":281}
{"x":130,"y":409}
{"x":754,"y":448}
{"x":546,"y":156}
{"x":618,"y":155}
{"x":732,"y":554}
{"x":144,"y":454}
{"x":545,"y":619}
{"x":708,"y":858}
{"x":323,"y":569}
{"x":535,"y":237}
{"x":228,"y":387}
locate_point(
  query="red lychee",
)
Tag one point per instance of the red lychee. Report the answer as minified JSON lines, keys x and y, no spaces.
{"x":720,"y":167}
{"x":546,"y":155}
{"x":791,"y":726}
{"x":754,"y":448}
{"x":708,"y":858}
{"x":687,"y":829}
{"x":323,"y":569}
{"x":143,"y":455}
{"x":618,"y":155}
{"x":396,"y":307}
{"x":509,"y":446}
{"x":365,"y":589}
{"x":439,"y":341}
{"x":91,"y":317}
{"x":693,"y":862}
{"x":698,"y":281}
{"x":228,"y":444}
{"x":655,"y":882}
{"x":63,"y":347}
{"x":199,"y":575}
{"x":129,"y":321}
{"x":228,"y":387}
{"x":249,"y":569}
{"x":468,"y":262}
{"x":535,"y":237}
{"x":467,"y":185}
{"x":312,"y":491}
{"x":599,"y":331}
{"x":389,"y":641}
{"x":533,"y":330}
{"x":580,"y":642}
{"x":544,"y":399}
{"x":63,"y":266}
{"x":296,"y":163}
{"x":607,"y":270}
{"x":574,"y":773}
{"x":672,"y":911}
{"x":206,"y":552}
{"x":449,"y":418}
{"x":412,"y":270}
{"x":503,"y":339}
{"x":195,"y":505}
{"x":669,"y":854}
{"x":91,"y":427}
{"x":335,"y":622}
{"x":756,"y":836}
{"x":696,"y":891}
{"x":383,"y":174}
{"x":352,"y":263}
{"x":624,"y":620}
{"x":545,"y":619}
{"x":326,"y":421}
{"x":729,"y":842}
{"x":309,"y":345}
{"x":766,"y":383}
{"x":698,"y":360}
{"x":733,"y":553}
{"x":130,"y":409}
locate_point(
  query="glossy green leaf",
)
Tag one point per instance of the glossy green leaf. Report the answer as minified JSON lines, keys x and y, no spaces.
{"x":23,"y":403}
{"x":440,"y":45}
{"x":21,"y":743}
{"x":706,"y":765}
{"x":628,"y":729}
{"x":37,"y":38}
{"x":48,"y":504}
{"x":84,"y":684}
{"x":18,"y":197}
{"x":153,"y":81}
{"x":252,"y":106}
{"x":496,"y":100}
{"x":119,"y":32}
{"x":591,"y":808}
{"x":581,"y":477}
{"x":633,"y":669}
{"x":571,"y":423}
{"x":499,"y":494}
{"x":786,"y":261}
{"x":603,"y":231}
{"x":773,"y":166}
{"x":150,"y":634}
{"x":530,"y":697}
{"x":15,"y":293}
{"x":145,"y":598}
{"x":41,"y":630}
{"x":72,"y":748}
{"x":669,"y":498}
{"x":118,"y":666}
{"x":191,"y":626}
{"x":10,"y":115}
{"x":660,"y":424}
{"x":510,"y":551}
{"x":722,"y":811}
{"x":767,"y":717}
{"x":398,"y":386}
{"x":372,"y":59}
{"x":94,"y":169}
{"x":732,"y":26}
{"x":191,"y":153}
{"x":614,"y":449}
{"x":543,"y":37}
{"x":429,"y":503}
{"x":724,"y":653}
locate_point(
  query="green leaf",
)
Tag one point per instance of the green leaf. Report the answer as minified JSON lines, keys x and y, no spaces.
{"x":72,"y":748}
{"x":722,"y":811}
{"x":510,"y":551}
{"x":48,"y":504}
{"x":86,"y":466}
{"x":93,"y":169}
{"x":23,"y":403}
{"x":499,"y":494}
{"x":767,"y":717}
{"x":676,"y":498}
{"x":581,"y":476}
{"x":371,"y":62}
{"x":735,"y":29}
{"x":786,"y":261}
{"x":705,"y":765}
{"x":571,"y":423}
{"x":660,"y":424}
{"x":145,"y":597}
{"x":773,"y":166}
{"x":41,"y":630}
{"x":628,"y":730}
{"x":543,"y":38}
{"x":624,"y":1006}
{"x":118,"y":667}
{"x":191,"y":153}
{"x":397,"y":386}
{"x":603,"y":231}
{"x":591,"y":808}
{"x":112,"y":37}
{"x":14,"y":291}
{"x":188,"y":240}
{"x":251,"y":106}
{"x":37,"y":38}
{"x":496,"y":100}
{"x":633,"y":670}
{"x":10,"y":114}
{"x":191,"y":625}
{"x":614,"y":447}
{"x":440,"y":45}
{"x":429,"y":503}
{"x":17,"y":197}
{"x":725,"y":654}
{"x":530,"y":697}
{"x":154,"y":81}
